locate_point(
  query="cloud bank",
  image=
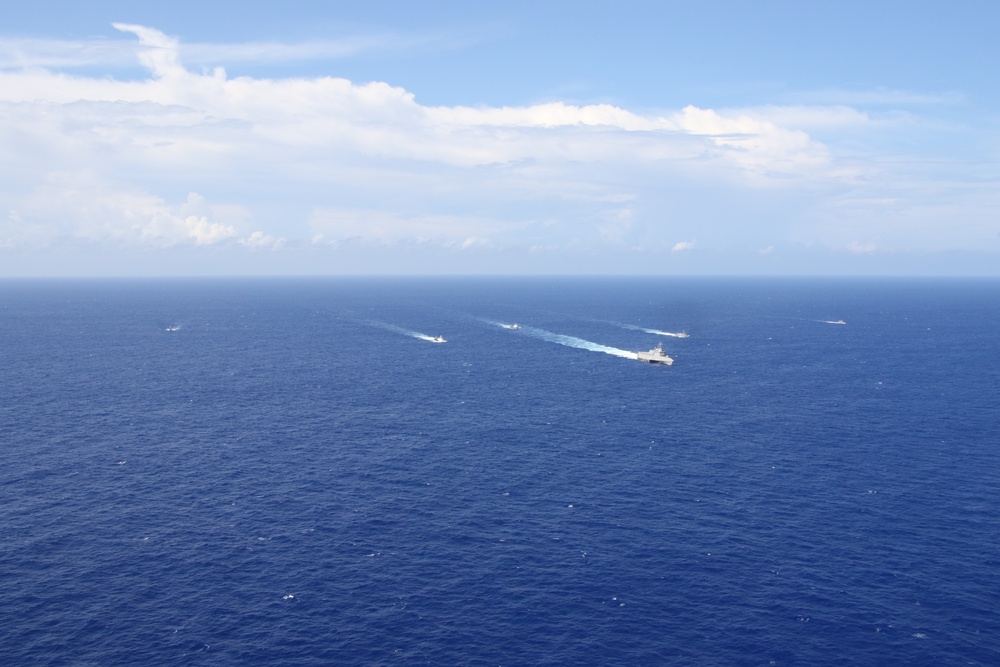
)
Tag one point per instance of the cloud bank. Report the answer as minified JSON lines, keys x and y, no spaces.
{"x":199,"y":159}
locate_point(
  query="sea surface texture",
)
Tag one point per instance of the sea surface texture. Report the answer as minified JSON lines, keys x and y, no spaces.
{"x":292,"y":472}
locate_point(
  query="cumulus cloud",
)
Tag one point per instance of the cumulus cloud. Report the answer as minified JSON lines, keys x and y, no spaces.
{"x":329,"y":159}
{"x":754,"y":143}
{"x":261,"y":240}
{"x":160,"y":51}
{"x":85,"y":206}
{"x":378,"y":119}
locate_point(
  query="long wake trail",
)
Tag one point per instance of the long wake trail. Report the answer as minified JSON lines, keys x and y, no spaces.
{"x":570,"y":341}
{"x":655,"y":332}
{"x":401,"y":330}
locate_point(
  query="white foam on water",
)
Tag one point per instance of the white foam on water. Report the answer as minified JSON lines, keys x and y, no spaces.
{"x":405,"y":332}
{"x":513,"y":326}
{"x":672,"y":334}
{"x":579,"y":343}
{"x":655,"y":332}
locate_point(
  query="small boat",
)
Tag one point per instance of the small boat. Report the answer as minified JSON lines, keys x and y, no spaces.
{"x":511,"y":326}
{"x":655,"y":356}
{"x":438,"y":339}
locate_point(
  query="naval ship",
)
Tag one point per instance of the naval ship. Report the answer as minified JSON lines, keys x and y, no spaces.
{"x":655,"y":356}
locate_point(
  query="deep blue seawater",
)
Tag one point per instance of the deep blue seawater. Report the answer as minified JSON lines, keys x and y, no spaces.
{"x":281,"y":472}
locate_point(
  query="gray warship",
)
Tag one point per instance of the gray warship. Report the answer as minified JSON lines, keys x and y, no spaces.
{"x":655,"y":356}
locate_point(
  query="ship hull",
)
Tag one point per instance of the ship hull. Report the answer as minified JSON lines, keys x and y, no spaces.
{"x":654,"y":358}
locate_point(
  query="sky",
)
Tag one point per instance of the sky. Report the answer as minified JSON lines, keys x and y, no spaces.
{"x":457,"y":138}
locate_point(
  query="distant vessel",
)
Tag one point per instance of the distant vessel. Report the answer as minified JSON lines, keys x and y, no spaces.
{"x":174,"y":327}
{"x":655,"y":356}
{"x":835,"y":321}
{"x":438,"y":339}
{"x":511,"y":326}
{"x":680,"y":335}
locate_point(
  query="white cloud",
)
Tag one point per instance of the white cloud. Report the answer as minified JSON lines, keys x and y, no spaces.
{"x":160,"y":53}
{"x":383,"y":227}
{"x":200,"y":230}
{"x":617,"y":224}
{"x":754,"y":143}
{"x":858,"y":248}
{"x":84,"y":206}
{"x":53,"y":53}
{"x":328,"y":159}
{"x":379,"y":120}
{"x":33,"y":53}
{"x":808,"y":118}
{"x":879,"y":97}
{"x":554,"y":114}
{"x":261,"y":240}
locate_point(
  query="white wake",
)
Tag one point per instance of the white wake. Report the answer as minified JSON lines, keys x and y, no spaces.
{"x":655,"y":332}
{"x":406,"y":332}
{"x":573,"y":341}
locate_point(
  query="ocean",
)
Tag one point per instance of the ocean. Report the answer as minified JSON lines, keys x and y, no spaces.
{"x":291,"y":472}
